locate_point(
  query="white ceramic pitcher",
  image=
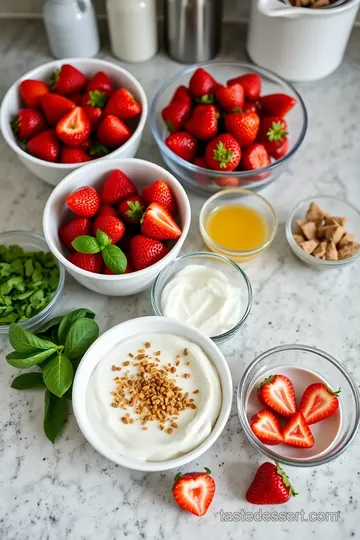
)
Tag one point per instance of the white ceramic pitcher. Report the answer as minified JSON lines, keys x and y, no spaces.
{"x":300,"y":44}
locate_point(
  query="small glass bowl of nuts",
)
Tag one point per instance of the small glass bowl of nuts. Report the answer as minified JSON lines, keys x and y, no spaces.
{"x":324,"y":232}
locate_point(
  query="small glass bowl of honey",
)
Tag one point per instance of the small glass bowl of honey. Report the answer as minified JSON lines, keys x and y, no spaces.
{"x":238,"y":224}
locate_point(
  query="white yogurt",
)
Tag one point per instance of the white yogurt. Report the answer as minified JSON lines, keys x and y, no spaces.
{"x":203,"y":297}
{"x":194,"y":425}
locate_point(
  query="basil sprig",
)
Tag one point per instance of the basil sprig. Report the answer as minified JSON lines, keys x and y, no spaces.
{"x":56,"y":348}
{"x":112,"y":255}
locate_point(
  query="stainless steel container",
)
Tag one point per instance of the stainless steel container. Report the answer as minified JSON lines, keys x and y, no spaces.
{"x":192,"y":29}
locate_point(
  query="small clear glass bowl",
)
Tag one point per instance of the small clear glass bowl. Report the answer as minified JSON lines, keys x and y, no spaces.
{"x":33,"y":242}
{"x":244,"y":197}
{"x":233,"y":272}
{"x":335,"y":207}
{"x":325,"y":367}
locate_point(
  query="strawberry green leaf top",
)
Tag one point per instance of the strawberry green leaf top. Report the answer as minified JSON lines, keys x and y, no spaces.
{"x":276,"y":132}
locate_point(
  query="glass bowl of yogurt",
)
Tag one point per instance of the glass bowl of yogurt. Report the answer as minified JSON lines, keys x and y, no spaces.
{"x":205,"y":290}
{"x":304,"y":366}
{"x":152,"y":394}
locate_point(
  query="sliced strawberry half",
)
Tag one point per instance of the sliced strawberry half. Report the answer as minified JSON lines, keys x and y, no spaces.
{"x":157,"y":223}
{"x":266,"y":426}
{"x":318,"y":402}
{"x":194,"y":491}
{"x":277,"y":392}
{"x":297,"y":432}
{"x":74,"y":128}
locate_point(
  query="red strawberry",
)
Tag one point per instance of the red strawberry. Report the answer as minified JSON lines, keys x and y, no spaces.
{"x":32,"y":91}
{"x":243,"y":126}
{"x":74,"y":128}
{"x":270,"y":486}
{"x":223,"y":153}
{"x":145,"y":251}
{"x":276,"y":104}
{"x":157,"y":223}
{"x":281,"y":149}
{"x":230,"y":97}
{"x":107,"y":210}
{"x":93,"y":103}
{"x":160,"y":193}
{"x":277,"y":392}
{"x":74,"y":228}
{"x":255,"y":157}
{"x":91,"y":263}
{"x":68,"y":80}
{"x":175,"y":115}
{"x":273,"y":135}
{"x":201,"y":162}
{"x":100,"y":81}
{"x":76,"y":97}
{"x":251,"y":107}
{"x":110,"y":225}
{"x":84,"y":202}
{"x":116,"y":188}
{"x":228,"y":181}
{"x":123,"y":105}
{"x":266,"y":426}
{"x":194,"y":491}
{"x":128,"y":270}
{"x":182,"y":95}
{"x":69,"y":154}
{"x":183,"y":144}
{"x":45,"y":145}
{"x":202,"y":86}
{"x":132,"y":209}
{"x":113,"y":132}
{"x":318,"y":402}
{"x":251,"y":83}
{"x":28,"y":123}
{"x":297,"y":432}
{"x":203,"y":123}
{"x":56,"y":107}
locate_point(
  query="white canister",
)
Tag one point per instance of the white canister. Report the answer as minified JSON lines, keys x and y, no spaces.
{"x":133,"y":29}
{"x":300,"y":44}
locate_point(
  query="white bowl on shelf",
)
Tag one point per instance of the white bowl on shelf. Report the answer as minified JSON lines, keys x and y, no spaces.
{"x":53,"y":173}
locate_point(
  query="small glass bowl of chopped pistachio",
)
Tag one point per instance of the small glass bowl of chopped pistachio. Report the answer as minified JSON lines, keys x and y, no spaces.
{"x":31,"y":280}
{"x":324,"y":232}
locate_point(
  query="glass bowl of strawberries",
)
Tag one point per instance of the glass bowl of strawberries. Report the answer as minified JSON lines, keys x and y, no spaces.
{"x":298,"y":405}
{"x":227,"y":124}
{"x":65,"y":113}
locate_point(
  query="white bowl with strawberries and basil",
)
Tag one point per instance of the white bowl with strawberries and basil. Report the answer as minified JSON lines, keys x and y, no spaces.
{"x":116,"y":224}
{"x":68,"y":112}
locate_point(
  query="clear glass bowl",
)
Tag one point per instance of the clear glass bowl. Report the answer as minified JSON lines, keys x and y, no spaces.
{"x":324,"y":366}
{"x":335,"y":207}
{"x":33,"y":242}
{"x":208,"y":181}
{"x":235,"y":275}
{"x":242,"y":197}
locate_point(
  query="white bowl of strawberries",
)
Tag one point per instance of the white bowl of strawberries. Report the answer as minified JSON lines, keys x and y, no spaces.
{"x":68,"y":112}
{"x":116,"y":224}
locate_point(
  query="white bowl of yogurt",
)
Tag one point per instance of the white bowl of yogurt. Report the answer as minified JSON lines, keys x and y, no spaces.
{"x":152,"y":394}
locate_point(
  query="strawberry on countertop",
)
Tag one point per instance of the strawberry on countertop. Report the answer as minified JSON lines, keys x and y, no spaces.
{"x":110,"y":225}
{"x":243,"y":126}
{"x":254,"y":157}
{"x":74,"y":128}
{"x":157,"y":223}
{"x":123,"y":105}
{"x":45,"y":145}
{"x":270,"y":486}
{"x":116,"y":188}
{"x":145,"y":251}
{"x":203,"y":123}
{"x":112,"y":132}
{"x":132,"y":209}
{"x":84,"y":202}
{"x":276,"y":104}
{"x":183,"y":144}
{"x":91,"y":263}
{"x":56,"y":107}
{"x":277,"y":392}
{"x":27,"y":123}
{"x":230,"y":97}
{"x":202,"y":86}
{"x":194,"y":491}
{"x":297,"y":432}
{"x":182,"y":95}
{"x":74,"y":228}
{"x":251,"y":83}
{"x":160,"y":193}
{"x":68,"y":80}
{"x":266,"y":426}
{"x":318,"y":402}
{"x":175,"y":115}
{"x":100,"y":81}
{"x":71,"y":154}
{"x":223,"y":153}
{"x":32,"y":91}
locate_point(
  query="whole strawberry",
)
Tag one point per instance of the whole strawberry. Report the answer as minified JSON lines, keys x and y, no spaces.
{"x":243,"y":126}
{"x":84,"y":202}
{"x":270,"y":486}
{"x":107,"y":210}
{"x":93,"y":103}
{"x":182,"y":95}
{"x":132,"y":209}
{"x":100,"y":81}
{"x":145,"y":251}
{"x":70,"y":154}
{"x":74,"y":128}
{"x":112,"y":132}
{"x":116,"y":188}
{"x":203,"y":124}
{"x":194,"y":491}
{"x":273,"y":135}
{"x":74,"y":228}
{"x":175,"y":115}
{"x":56,"y":107}
{"x":202,"y":86}
{"x":157,"y":223}
{"x":276,"y":104}
{"x":251,"y":83}
{"x":90,"y":263}
{"x":45,"y":145}
{"x":254,"y":157}
{"x":230,"y":97}
{"x":68,"y":80}
{"x":28,"y":123}
{"x":123,"y":105}
{"x":223,"y":153}
{"x":183,"y":144}
{"x":110,"y":225}
{"x":160,"y":193}
{"x":32,"y":91}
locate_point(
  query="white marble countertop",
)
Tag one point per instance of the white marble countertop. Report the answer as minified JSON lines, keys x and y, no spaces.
{"x":68,"y":491}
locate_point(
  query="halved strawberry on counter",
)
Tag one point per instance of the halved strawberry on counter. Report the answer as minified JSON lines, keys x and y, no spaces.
{"x":132,"y":209}
{"x":157,"y":223}
{"x":183,"y":144}
{"x":56,"y":107}
{"x":84,"y":202}
{"x":146,"y":251}
{"x":277,"y":392}
{"x":194,"y":491}
{"x":116,"y":188}
{"x":318,"y":402}
{"x":72,"y":229}
{"x":123,"y":105}
{"x":223,"y":153}
{"x":100,"y":81}
{"x":112,"y":132}
{"x":270,"y":485}
{"x":74,"y":128}
{"x":27,"y":123}
{"x":202,"y":86}
{"x":276,"y":104}
{"x":203,"y":123}
{"x":266,"y":426}
{"x":68,"y":80}
{"x":297,"y":432}
{"x":32,"y":90}
{"x":251,"y":83}
{"x":160,"y":193}
{"x":45,"y":145}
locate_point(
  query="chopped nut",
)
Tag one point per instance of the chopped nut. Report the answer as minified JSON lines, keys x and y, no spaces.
{"x":145,"y":428}
{"x":157,"y":353}
{"x":299,"y":223}
{"x":321,"y":231}
{"x":187,"y":363}
{"x":320,"y":250}
{"x":299,"y":238}
{"x":346,"y":239}
{"x":147,"y":345}
{"x":126,"y":363}
{"x":309,"y":230}
{"x":174,"y":425}
{"x":186,"y":375}
{"x":140,"y":356}
{"x":177,"y":356}
{"x":131,"y":355}
{"x":331,"y":252}
{"x":173,"y":370}
{"x":309,"y":245}
{"x":348,"y":250}
{"x":113,"y":368}
{"x":186,"y":352}
{"x":196,"y":391}
{"x":335,"y":233}
{"x":315,"y":213}
{"x":169,"y":431}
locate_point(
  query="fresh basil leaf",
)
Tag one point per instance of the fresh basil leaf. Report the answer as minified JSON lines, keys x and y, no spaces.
{"x":49,"y":324}
{"x":114,"y":259}
{"x":55,"y":415}
{"x":24,"y":342}
{"x":102,"y":238}
{"x":69,"y":320}
{"x":86,"y":244}
{"x":26,"y":360}
{"x":81,"y":335}
{"x":58,"y":375}
{"x":36,"y":299}
{"x":27,"y":381}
